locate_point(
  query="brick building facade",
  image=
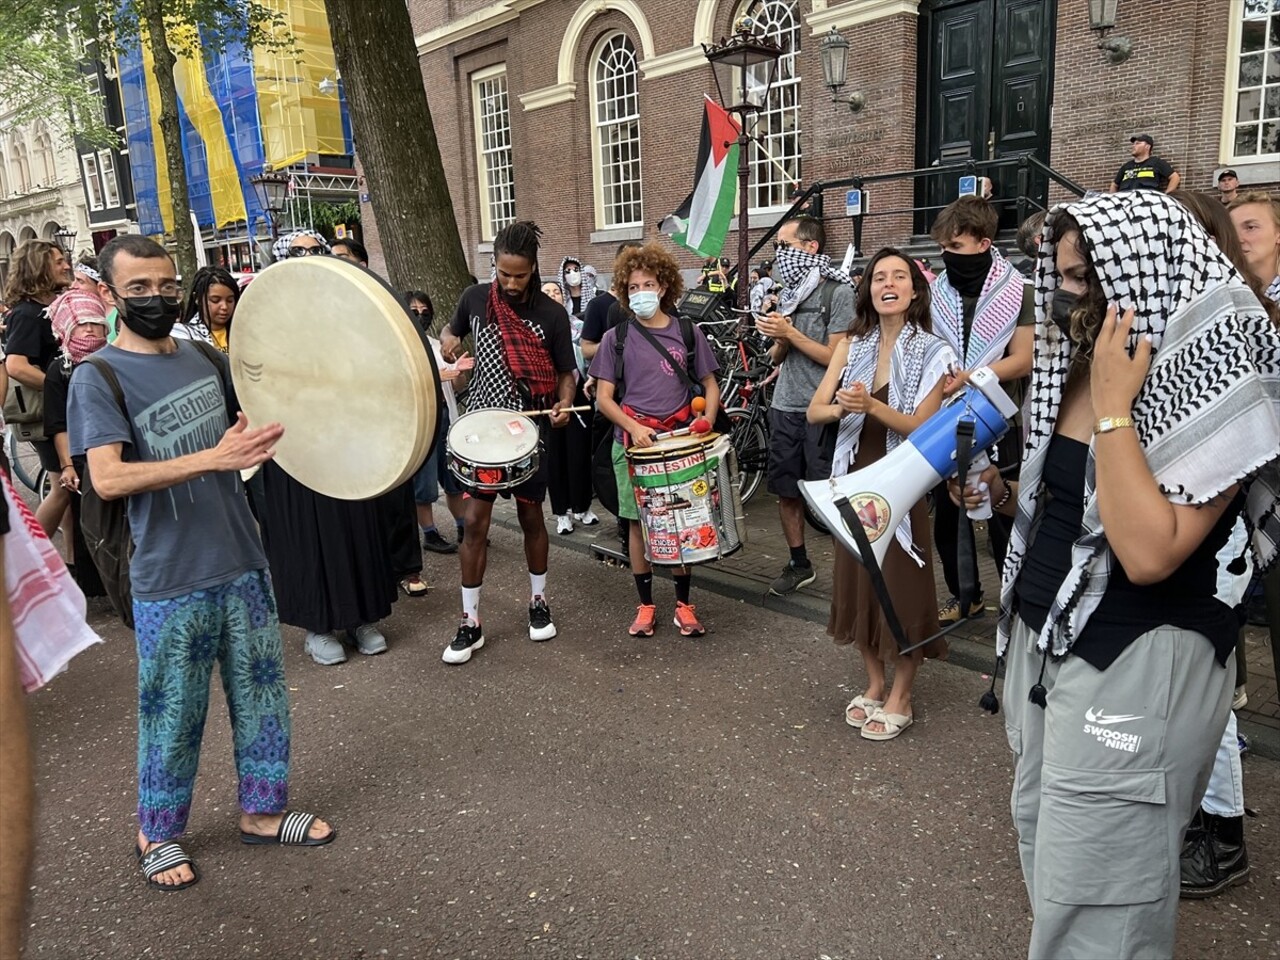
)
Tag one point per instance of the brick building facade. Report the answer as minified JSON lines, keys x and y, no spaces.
{"x":538,"y":104}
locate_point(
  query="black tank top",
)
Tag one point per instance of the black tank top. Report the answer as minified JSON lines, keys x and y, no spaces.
{"x":1186,"y":599}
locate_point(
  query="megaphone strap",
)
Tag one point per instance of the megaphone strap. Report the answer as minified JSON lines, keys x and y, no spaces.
{"x":852,"y":521}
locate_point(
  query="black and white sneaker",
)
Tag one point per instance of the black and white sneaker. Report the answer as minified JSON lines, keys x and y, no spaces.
{"x":540,"y":625}
{"x":469,"y":638}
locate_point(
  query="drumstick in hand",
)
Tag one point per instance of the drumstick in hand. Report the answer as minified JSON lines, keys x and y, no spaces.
{"x":543,"y":413}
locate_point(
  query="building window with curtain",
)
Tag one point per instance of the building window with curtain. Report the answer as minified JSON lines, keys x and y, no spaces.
{"x":494,"y":162}
{"x":775,"y":160}
{"x":110,"y":183}
{"x":1254,"y":68}
{"x":44,"y":157}
{"x":615,"y":110}
{"x":92,"y":181}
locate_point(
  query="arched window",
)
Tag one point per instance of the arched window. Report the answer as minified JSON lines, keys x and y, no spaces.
{"x":615,"y":110}
{"x":776,"y":167}
{"x":19,"y":167}
{"x":44,"y":168}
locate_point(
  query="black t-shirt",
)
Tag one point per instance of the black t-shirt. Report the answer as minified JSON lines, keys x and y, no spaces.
{"x":547,"y":318}
{"x":1187,"y":599}
{"x":56,"y":381}
{"x":603,"y":314}
{"x":30,"y":334}
{"x":1149,"y":174}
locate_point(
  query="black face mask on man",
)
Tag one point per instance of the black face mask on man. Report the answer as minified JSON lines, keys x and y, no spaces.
{"x":967,"y":272}
{"x":151,"y":318}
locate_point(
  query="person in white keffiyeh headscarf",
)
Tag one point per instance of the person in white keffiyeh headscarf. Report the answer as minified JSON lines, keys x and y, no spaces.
{"x":884,"y":381}
{"x":1154,"y":421}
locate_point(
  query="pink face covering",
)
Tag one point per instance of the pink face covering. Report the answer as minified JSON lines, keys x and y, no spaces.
{"x":68,"y":315}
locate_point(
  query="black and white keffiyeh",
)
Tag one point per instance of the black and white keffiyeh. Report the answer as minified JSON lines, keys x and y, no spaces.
{"x":1208,"y":415}
{"x":918,"y":362}
{"x":280,"y":249}
{"x":800,"y":273}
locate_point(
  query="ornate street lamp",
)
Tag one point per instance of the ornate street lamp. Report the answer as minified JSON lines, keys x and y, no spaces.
{"x":835,"y":66}
{"x":273,"y":191}
{"x":66,"y":239}
{"x":745,"y":67}
{"x":1102,"y":18}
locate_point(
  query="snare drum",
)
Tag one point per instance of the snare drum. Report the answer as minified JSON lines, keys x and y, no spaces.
{"x":687,"y":497}
{"x":493,"y":450}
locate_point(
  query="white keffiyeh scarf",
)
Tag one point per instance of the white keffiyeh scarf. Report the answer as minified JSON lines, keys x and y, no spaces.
{"x":801,"y":273}
{"x":1208,"y":415}
{"x":918,"y":362}
{"x":994,"y":318}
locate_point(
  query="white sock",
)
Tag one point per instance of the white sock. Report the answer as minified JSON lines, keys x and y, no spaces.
{"x":537,"y":584}
{"x":471,"y":603}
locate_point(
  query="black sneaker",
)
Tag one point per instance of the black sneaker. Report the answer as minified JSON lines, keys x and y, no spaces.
{"x":432,"y":541}
{"x":792,"y":579}
{"x":540,"y":625}
{"x":469,"y":638}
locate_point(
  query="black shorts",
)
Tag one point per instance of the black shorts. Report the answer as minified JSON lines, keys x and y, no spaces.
{"x":48,"y":455}
{"x":798,"y":450}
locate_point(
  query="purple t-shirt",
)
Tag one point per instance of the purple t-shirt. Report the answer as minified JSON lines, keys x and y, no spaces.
{"x":653,"y":387}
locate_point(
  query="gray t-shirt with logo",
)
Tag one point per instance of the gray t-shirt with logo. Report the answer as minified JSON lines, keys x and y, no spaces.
{"x":799,"y":378}
{"x":194,"y":535}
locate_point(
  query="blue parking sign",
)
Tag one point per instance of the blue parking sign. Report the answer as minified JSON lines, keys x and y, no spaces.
{"x":853,"y":203}
{"x":968,"y":186}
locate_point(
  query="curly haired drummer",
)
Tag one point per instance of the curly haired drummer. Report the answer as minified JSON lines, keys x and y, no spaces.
{"x":523,"y":361}
{"x":658,"y":398}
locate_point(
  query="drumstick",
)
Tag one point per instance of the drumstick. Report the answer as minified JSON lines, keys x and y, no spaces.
{"x":701,"y":425}
{"x":543,"y":413}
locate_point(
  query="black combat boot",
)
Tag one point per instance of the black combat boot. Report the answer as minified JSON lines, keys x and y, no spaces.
{"x":1213,"y":855}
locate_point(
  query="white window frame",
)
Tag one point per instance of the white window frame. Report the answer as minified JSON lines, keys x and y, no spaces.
{"x":110,"y":182}
{"x":92,"y":181}
{"x":768,"y":122}
{"x":610,"y":211}
{"x":493,"y":155}
{"x":1231,"y":98}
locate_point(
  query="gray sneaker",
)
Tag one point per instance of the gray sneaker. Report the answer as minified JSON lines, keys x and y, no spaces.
{"x":369,"y":639}
{"x":792,"y":579}
{"x":325,"y":649}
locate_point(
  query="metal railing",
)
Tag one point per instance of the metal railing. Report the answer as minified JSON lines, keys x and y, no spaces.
{"x":1025,"y":165}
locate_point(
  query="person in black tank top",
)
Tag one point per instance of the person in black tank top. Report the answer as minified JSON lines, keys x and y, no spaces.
{"x":1117,"y":647}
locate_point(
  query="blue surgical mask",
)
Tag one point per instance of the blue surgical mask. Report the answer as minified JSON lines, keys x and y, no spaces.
{"x":644,"y":304}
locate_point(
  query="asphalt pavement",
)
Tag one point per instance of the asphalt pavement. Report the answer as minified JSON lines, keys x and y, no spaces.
{"x":591,"y":797}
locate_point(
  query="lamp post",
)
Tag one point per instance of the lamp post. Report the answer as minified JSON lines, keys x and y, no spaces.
{"x":66,"y":239}
{"x":1102,"y":18}
{"x":835,"y":67}
{"x":272,"y":190}
{"x":745,"y":66}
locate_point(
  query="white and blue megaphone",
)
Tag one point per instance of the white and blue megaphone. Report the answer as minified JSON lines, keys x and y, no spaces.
{"x":883,"y":493}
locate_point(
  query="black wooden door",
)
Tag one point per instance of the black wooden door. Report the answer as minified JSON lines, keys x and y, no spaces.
{"x":985,"y":92}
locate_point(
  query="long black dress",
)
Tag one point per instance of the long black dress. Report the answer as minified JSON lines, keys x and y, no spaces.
{"x":330,"y":563}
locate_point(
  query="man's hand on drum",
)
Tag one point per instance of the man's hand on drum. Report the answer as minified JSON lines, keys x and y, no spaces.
{"x":975,"y":496}
{"x":559,"y":417}
{"x":641,"y":436}
{"x":243,"y":446}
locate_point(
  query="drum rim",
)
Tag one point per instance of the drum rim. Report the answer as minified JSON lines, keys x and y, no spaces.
{"x":532,"y":453}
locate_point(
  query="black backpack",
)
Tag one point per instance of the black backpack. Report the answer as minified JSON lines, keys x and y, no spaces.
{"x":104,"y":524}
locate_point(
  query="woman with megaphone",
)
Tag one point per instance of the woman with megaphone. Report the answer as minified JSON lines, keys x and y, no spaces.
{"x":883,"y":381}
{"x":1153,"y":421}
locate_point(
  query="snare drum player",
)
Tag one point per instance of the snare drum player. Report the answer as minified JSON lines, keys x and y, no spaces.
{"x":523,"y":361}
{"x":647,"y":367}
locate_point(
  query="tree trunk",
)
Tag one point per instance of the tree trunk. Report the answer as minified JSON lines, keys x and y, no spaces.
{"x":171,"y":134}
{"x":396,"y":141}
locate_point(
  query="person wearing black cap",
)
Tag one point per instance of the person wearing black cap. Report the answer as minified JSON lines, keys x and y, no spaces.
{"x":1228,"y":186}
{"x":1145,"y":171}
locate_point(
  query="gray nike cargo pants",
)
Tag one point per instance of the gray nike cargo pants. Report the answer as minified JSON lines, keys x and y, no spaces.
{"x":1106,"y":779}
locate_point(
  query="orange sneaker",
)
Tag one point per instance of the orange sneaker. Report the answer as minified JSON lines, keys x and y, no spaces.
{"x":646,"y":618}
{"x":687,"y":620}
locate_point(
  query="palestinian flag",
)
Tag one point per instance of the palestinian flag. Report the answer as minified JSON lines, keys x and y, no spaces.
{"x":702,"y":222}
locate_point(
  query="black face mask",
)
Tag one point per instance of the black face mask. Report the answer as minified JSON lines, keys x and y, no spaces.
{"x":151,"y":318}
{"x":967,"y":272}
{"x":1061,"y":308}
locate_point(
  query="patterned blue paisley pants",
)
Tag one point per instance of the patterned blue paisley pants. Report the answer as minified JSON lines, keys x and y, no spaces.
{"x":178,"y":642}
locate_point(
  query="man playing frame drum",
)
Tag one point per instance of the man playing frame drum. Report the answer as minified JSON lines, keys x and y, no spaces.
{"x":654,"y":355}
{"x":523,"y":361}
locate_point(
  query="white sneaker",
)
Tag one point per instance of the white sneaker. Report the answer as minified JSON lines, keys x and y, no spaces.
{"x":1241,"y":699}
{"x":325,"y":649}
{"x":588,"y":519}
{"x":564,"y":523}
{"x":468,"y":639}
{"x":369,"y":639}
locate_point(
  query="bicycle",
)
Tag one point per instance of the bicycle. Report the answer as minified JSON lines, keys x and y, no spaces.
{"x":24,"y":464}
{"x":750,"y":433}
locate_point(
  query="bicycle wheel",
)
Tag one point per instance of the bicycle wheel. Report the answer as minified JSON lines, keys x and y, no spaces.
{"x":24,"y":462}
{"x":751,"y":444}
